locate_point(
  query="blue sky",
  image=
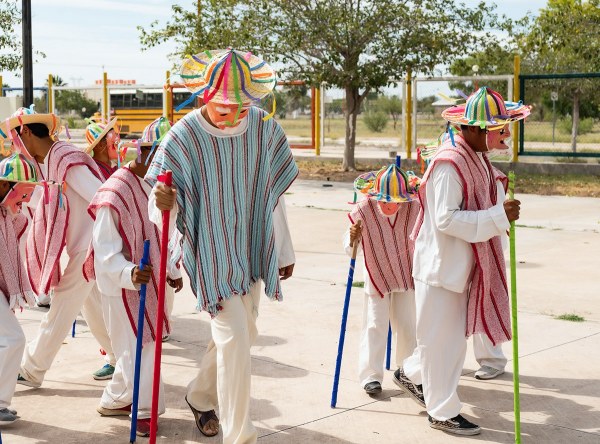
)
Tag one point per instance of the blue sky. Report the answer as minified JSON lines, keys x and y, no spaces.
{"x":79,"y":37}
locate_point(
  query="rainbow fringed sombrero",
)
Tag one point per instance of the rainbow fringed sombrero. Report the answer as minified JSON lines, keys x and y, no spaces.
{"x":16,"y":168}
{"x":389,"y":184}
{"x":23,"y":116}
{"x":227,"y":76}
{"x":153,"y":134}
{"x":486,"y":108}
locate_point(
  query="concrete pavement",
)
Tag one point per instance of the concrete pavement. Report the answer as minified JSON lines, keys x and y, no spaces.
{"x":558,"y":241}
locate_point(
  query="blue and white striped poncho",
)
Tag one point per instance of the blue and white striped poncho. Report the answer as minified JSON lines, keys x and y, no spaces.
{"x":227,"y":189}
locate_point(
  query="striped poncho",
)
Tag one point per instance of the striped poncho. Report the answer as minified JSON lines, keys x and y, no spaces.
{"x":387,"y":244}
{"x":227,"y":189}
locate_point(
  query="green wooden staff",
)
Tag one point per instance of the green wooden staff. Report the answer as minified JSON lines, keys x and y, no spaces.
{"x":515,"y":326}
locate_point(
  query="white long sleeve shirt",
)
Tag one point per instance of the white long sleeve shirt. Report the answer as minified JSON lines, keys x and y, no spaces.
{"x":113,"y":267}
{"x":443,"y":254}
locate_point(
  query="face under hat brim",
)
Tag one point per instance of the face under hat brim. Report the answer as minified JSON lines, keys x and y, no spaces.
{"x":110,"y":125}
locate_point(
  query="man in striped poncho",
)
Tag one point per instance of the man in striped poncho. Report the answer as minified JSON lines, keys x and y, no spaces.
{"x":231,"y":165}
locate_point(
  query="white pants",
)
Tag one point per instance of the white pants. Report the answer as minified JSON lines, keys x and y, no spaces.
{"x":438,"y":360}
{"x":226,"y":366}
{"x":487,"y":353}
{"x":119,"y":391}
{"x":72,"y":295}
{"x":95,"y":317}
{"x":395,"y":308}
{"x":12,"y":343}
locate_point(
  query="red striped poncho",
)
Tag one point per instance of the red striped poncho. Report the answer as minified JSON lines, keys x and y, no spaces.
{"x":13,"y":278}
{"x":105,"y":170}
{"x":488,"y":309}
{"x":124,"y":195}
{"x":387,"y":245}
{"x":47,"y":237}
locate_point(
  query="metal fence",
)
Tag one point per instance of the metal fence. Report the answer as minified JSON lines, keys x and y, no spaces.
{"x":565,"y":120}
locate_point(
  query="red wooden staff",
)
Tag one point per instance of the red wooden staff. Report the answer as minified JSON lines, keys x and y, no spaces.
{"x":167,"y":179}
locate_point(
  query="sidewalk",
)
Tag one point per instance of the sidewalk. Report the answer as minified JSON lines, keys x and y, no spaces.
{"x":558,"y":241}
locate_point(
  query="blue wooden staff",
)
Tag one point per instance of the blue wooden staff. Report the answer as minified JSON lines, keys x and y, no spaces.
{"x":338,"y":362}
{"x":388,"y":356}
{"x":138,"y":346}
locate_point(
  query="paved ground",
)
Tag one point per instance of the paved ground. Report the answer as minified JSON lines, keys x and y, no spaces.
{"x":293,"y":360}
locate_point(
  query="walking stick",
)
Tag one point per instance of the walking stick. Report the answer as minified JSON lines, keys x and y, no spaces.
{"x":73,"y":330}
{"x":338,"y":362}
{"x":388,"y":356}
{"x":515,"y":327}
{"x":138,"y":346}
{"x":167,"y":179}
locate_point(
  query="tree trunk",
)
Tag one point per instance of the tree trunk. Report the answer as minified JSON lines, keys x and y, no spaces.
{"x":575,"y":126}
{"x":352,"y":108}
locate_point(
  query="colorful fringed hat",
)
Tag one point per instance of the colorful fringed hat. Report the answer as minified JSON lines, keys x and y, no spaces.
{"x":95,"y":131}
{"x":228,"y":77}
{"x":486,"y":108}
{"x":389,"y":184}
{"x":17,"y":168}
{"x":153,"y":134}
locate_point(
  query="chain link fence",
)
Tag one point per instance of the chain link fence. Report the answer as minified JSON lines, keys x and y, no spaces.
{"x":565,"y":118}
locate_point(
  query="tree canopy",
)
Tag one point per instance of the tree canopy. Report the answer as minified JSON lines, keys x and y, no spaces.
{"x":359,"y":46}
{"x":10,"y":42}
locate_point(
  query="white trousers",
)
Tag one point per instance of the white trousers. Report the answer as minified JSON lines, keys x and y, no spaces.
{"x":487,"y":353}
{"x":119,"y":390}
{"x":226,"y":366}
{"x":72,"y":295}
{"x":395,"y":308}
{"x":439,"y":357}
{"x":12,"y":344}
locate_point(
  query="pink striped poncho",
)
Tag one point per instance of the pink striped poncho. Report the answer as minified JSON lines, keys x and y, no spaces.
{"x":47,"y":237}
{"x":387,"y":245}
{"x":124,"y":195}
{"x":488,"y":309}
{"x":13,"y":278}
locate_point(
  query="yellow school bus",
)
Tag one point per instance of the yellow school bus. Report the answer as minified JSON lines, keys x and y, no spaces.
{"x":137,"y":108}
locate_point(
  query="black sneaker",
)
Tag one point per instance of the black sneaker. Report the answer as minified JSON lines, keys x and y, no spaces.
{"x":456,"y":426}
{"x":373,"y":388}
{"x":413,"y":390}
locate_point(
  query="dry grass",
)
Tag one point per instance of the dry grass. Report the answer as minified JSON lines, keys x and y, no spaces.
{"x":562,"y":185}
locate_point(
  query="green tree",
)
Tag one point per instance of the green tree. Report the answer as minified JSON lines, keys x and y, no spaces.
{"x":495,"y":60}
{"x":68,"y":101}
{"x":357,"y":45}
{"x":210,"y":24}
{"x":10,"y":37}
{"x":565,"y":37}
{"x":10,"y":42}
{"x":392,"y":106}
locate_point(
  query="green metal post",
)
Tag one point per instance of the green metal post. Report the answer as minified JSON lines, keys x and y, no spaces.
{"x":515,"y":326}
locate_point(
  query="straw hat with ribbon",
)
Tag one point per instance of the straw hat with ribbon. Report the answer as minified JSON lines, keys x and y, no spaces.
{"x":95,"y":131}
{"x":228,"y":77}
{"x":24,"y":116}
{"x":151,"y":137}
{"x":487,"y":109}
{"x":389,"y":184}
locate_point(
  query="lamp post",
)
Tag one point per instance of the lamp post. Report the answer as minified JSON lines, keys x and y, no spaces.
{"x":27,"y":54}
